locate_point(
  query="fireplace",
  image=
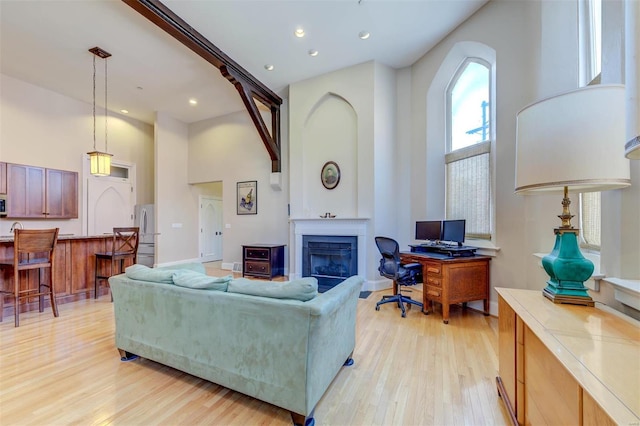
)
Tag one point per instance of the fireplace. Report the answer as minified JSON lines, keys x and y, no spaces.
{"x":336,"y":227}
{"x":329,"y":258}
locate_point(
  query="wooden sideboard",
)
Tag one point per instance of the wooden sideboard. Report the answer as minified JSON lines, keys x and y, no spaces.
{"x":449,"y":280}
{"x":74,"y":270}
{"x":567,"y":364}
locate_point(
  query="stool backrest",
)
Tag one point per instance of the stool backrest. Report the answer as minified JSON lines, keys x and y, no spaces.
{"x":32,"y":241}
{"x":125,"y":240}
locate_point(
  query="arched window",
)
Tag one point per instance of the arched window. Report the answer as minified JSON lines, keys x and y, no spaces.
{"x":468,"y":154}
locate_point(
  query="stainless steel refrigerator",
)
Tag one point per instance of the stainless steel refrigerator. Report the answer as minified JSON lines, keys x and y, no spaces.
{"x":145,"y":220}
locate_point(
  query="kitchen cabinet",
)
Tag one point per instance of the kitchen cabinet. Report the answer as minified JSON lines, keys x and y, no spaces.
{"x":36,"y":192}
{"x":61,"y":194}
{"x":3,"y":178}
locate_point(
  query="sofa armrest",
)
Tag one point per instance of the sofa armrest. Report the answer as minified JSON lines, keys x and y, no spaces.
{"x":332,"y":333}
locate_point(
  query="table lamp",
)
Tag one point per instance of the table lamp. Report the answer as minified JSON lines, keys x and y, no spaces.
{"x":571,"y":140}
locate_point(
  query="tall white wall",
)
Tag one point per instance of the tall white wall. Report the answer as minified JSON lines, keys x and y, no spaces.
{"x":39,"y":127}
{"x":228,"y":149}
{"x":348,"y":96}
{"x":536,"y":48}
{"x":176,"y":201}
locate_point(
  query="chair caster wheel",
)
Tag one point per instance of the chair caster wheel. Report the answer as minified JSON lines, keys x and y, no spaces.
{"x":377,"y":308}
{"x":404,"y":315}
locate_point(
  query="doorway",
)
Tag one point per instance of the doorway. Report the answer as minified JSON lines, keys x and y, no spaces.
{"x":210,"y":228}
{"x":110,"y":199}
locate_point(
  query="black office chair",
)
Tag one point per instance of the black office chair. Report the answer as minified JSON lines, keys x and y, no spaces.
{"x":402,"y":275}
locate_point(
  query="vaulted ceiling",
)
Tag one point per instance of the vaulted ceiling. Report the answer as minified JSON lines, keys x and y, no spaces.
{"x":46,"y":42}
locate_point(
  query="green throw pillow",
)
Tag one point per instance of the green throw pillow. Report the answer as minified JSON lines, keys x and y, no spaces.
{"x":144,"y":273}
{"x":193,"y":279}
{"x":301,"y":289}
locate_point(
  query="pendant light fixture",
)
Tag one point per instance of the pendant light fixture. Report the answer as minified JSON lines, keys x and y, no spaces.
{"x":100,"y":161}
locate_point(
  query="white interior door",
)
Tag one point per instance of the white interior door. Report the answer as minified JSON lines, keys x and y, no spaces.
{"x":109,"y":204}
{"x":210,"y":228}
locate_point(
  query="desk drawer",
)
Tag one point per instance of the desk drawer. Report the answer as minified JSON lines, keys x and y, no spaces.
{"x":434,"y":293}
{"x":434,"y":268}
{"x":434,"y":281}
{"x":259,"y":268}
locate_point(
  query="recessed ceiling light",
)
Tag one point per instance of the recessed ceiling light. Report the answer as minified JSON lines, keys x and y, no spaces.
{"x":193,"y":101}
{"x":124,"y":111}
{"x":268,"y":67}
{"x":313,"y":52}
{"x":299,"y":32}
{"x":364,"y":35}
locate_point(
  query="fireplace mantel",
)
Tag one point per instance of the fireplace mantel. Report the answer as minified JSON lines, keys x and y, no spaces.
{"x":335,"y":226}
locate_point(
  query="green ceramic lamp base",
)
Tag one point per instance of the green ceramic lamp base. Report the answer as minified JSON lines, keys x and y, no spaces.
{"x":567,"y":269}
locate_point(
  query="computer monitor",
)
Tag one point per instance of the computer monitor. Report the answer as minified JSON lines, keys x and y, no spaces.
{"x":428,"y":230}
{"x":453,"y":230}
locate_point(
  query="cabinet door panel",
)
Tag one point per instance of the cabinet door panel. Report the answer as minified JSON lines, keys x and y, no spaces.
{"x":62,"y":194}
{"x":83,"y":272}
{"x":3,"y":178}
{"x":507,"y":350}
{"x":25,"y":191}
{"x":551,"y":394}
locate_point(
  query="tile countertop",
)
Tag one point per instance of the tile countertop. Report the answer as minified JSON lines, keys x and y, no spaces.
{"x":61,"y":237}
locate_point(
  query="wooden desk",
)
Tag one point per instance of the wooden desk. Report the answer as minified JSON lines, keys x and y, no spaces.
{"x":448,"y":280}
{"x":567,"y":364}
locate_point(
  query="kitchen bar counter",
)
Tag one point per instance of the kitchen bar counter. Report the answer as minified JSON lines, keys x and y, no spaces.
{"x":74,"y":269}
{"x":61,"y":237}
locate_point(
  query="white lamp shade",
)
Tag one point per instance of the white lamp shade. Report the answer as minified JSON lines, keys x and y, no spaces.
{"x":574,"y":139}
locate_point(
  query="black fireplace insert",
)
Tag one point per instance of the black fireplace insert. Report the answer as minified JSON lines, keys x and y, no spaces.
{"x":329,"y":258}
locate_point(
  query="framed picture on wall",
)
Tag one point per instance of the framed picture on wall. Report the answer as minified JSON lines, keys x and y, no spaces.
{"x":247,"y":196}
{"x":330,"y":175}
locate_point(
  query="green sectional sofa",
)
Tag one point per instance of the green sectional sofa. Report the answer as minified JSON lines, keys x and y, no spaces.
{"x":282,"y":351}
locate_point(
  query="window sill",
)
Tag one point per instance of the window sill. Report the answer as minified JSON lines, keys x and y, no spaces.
{"x":626,"y":291}
{"x":484,"y":247}
{"x":593,"y":283}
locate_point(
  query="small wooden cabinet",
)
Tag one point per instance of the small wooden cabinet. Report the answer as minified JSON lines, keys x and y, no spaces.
{"x":36,"y":192}
{"x":263,"y":260}
{"x":566,"y":364}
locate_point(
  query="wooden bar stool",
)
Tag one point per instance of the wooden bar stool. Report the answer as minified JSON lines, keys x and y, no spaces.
{"x":32,"y":249}
{"x":124,"y":245}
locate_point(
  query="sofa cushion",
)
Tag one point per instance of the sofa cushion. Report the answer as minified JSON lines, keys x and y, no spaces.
{"x":301,"y":289}
{"x":191,"y":266}
{"x":197,"y":280}
{"x":144,"y":273}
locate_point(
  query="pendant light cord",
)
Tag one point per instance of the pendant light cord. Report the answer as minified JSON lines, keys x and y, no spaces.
{"x":105,"y":105}
{"x":94,"y":103}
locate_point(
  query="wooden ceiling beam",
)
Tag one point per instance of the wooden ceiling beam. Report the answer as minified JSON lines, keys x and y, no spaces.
{"x":246,"y":84}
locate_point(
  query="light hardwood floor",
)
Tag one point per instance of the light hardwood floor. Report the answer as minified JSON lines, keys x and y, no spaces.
{"x":408,"y":371}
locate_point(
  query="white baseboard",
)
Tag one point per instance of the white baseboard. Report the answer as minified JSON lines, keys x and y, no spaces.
{"x":227,"y":266}
{"x":375,"y":285}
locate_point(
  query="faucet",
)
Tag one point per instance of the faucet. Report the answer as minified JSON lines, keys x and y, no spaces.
{"x":14,"y":225}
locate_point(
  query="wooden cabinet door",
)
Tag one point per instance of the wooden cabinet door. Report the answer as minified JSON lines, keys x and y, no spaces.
{"x":83,"y":270}
{"x":3,"y":178}
{"x":61,"y":194}
{"x":25,"y":191}
{"x":507,"y":348}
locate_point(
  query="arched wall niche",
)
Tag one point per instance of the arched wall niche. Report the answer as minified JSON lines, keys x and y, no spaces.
{"x":330,"y":134}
